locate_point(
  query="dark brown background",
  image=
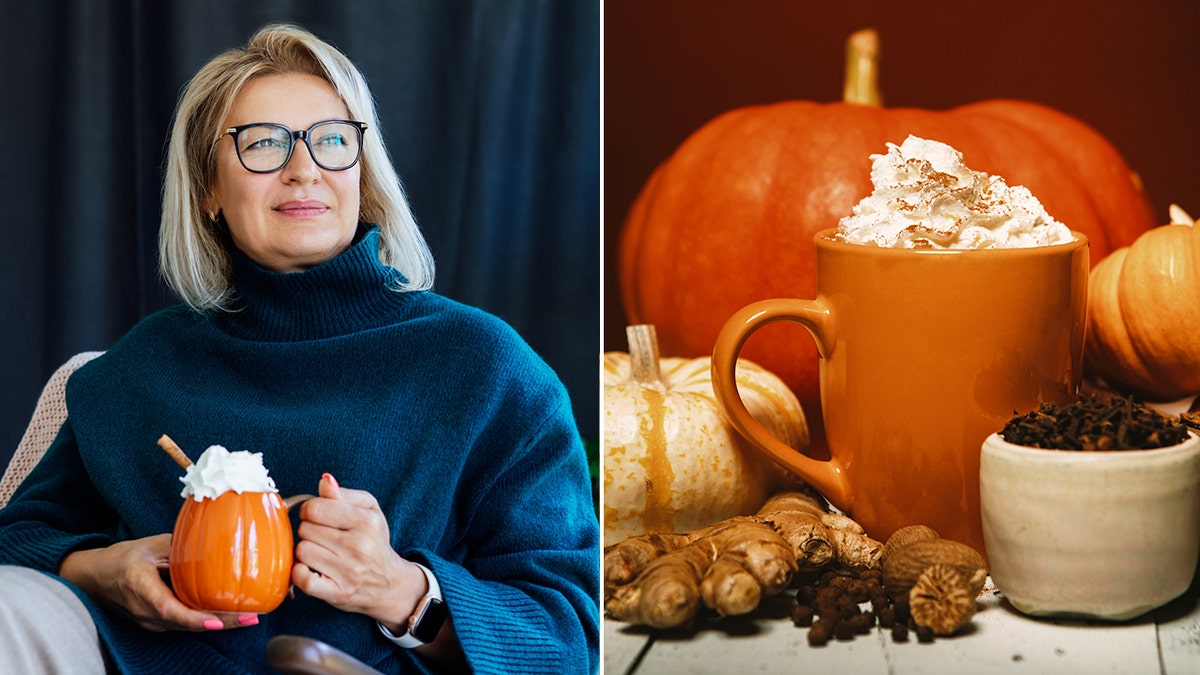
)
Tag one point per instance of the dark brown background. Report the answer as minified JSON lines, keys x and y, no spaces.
{"x":1130,"y":70}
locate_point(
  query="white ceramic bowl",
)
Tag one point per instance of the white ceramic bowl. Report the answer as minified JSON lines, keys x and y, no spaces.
{"x":1108,"y":535}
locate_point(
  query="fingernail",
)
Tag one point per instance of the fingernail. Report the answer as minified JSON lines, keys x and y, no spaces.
{"x":329,"y":477}
{"x":248,"y":619}
{"x":213,"y":624}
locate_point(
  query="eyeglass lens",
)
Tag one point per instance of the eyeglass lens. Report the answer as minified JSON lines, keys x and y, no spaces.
{"x":267,"y":147}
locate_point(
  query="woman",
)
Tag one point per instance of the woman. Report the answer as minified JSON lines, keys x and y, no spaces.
{"x":442,"y":449}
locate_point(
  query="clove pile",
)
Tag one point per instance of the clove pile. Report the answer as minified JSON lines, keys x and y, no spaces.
{"x":1117,"y":423}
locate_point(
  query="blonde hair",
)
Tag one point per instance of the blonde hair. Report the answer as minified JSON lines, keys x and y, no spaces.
{"x":192,"y":256}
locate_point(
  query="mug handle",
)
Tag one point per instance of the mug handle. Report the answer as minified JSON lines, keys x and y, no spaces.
{"x":297,"y":500}
{"x":829,"y":477}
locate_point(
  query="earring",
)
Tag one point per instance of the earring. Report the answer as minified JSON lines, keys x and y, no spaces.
{"x":212,"y":217}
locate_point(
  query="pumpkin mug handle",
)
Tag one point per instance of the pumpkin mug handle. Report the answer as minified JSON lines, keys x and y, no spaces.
{"x":828,"y":477}
{"x":297,"y":500}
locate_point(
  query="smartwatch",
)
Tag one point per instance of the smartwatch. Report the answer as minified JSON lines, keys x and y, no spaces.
{"x":426,"y":619}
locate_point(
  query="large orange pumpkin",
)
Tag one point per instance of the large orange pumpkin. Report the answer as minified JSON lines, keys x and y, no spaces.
{"x":232,"y":553}
{"x":729,"y":218}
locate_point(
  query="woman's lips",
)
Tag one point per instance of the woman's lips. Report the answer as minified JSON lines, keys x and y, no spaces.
{"x":304,"y":209}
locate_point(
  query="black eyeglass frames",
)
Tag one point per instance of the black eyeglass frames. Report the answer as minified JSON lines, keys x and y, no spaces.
{"x":266,"y":147}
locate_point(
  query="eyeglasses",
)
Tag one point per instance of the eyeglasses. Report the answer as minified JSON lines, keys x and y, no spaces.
{"x":264,"y":147}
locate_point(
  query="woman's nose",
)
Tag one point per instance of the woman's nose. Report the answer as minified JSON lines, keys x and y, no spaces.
{"x":300,"y":166}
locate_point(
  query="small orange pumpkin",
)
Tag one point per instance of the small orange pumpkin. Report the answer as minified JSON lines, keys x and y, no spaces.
{"x":671,"y":461}
{"x":232,"y":553}
{"x":1144,"y":314}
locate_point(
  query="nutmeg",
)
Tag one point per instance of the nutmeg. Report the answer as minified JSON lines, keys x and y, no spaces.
{"x":942,"y":600}
{"x":905,"y":564}
{"x":907,"y":535}
{"x":940,"y":580}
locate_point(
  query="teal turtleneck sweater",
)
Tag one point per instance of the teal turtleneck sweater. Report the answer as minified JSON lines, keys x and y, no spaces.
{"x":441,"y":411}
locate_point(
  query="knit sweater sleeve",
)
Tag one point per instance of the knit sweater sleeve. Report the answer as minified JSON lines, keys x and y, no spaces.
{"x":55,"y":510}
{"x":527,"y":600}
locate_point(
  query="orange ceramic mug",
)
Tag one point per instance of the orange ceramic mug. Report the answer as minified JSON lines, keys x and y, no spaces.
{"x":924,"y":353}
{"x":233,"y":553}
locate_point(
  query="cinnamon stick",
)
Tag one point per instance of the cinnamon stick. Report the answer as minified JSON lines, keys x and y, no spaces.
{"x":173,"y":450}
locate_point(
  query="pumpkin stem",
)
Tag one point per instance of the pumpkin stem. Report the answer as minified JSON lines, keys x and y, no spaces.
{"x":643,"y":355}
{"x":1179,"y":216}
{"x":862,"y":69}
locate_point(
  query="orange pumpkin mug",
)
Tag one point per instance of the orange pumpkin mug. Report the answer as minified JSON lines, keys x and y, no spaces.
{"x":233,"y":553}
{"x":923,"y":354}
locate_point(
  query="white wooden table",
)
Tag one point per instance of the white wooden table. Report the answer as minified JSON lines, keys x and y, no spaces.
{"x":999,"y":640}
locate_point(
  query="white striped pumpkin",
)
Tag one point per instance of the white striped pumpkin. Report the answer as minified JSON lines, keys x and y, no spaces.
{"x":671,"y":463}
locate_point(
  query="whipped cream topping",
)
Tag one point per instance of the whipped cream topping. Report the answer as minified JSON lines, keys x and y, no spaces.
{"x":926,"y":197}
{"x":218,"y":471}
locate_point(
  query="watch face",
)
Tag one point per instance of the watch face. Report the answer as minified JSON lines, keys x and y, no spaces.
{"x":430,"y":621}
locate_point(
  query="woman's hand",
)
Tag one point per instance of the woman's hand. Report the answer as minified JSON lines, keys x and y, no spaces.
{"x":128,"y":577}
{"x":345,"y":557}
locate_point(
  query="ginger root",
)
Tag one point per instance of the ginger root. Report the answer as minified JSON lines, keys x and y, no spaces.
{"x":659,"y":580}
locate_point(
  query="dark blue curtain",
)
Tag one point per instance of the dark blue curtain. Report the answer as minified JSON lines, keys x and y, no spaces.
{"x":490,"y":109}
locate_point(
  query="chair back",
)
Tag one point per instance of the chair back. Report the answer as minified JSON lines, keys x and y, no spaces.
{"x":48,"y":418}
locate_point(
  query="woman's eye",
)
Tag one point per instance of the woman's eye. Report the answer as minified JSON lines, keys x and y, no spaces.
{"x":332,"y":140}
{"x":266,"y":144}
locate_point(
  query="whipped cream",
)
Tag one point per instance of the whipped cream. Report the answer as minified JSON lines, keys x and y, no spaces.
{"x":218,"y":471}
{"x":926,"y":197}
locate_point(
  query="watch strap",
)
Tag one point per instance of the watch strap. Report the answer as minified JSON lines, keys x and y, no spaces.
{"x":408,"y":640}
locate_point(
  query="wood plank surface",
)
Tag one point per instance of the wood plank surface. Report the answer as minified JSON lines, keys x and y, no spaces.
{"x":999,"y":640}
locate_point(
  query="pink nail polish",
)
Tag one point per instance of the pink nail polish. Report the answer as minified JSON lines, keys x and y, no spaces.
{"x":248,"y":619}
{"x":213,"y":624}
{"x":329,"y":477}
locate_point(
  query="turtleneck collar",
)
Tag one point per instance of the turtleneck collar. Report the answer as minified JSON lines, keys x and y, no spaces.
{"x":352,"y":292}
